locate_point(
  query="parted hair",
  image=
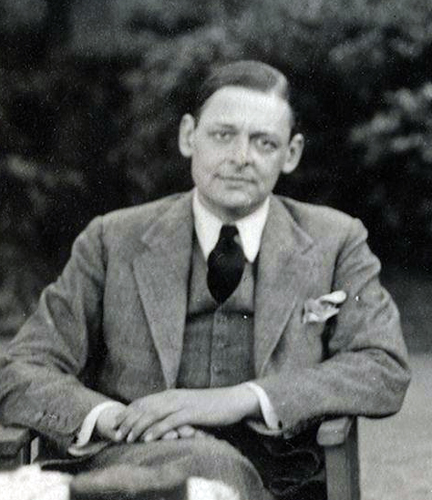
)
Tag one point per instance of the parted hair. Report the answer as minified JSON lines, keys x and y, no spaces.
{"x":254,"y":75}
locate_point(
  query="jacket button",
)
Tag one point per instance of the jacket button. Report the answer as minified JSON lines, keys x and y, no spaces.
{"x":52,"y":418}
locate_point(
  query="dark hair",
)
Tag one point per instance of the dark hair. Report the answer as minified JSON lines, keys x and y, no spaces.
{"x":253,"y":75}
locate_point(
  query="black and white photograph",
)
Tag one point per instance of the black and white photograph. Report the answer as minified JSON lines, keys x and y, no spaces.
{"x":215,"y":250}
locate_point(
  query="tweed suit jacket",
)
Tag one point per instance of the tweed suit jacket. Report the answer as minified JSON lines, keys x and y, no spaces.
{"x":111,"y":326}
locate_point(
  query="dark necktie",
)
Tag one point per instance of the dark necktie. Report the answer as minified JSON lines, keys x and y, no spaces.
{"x":225,"y":264}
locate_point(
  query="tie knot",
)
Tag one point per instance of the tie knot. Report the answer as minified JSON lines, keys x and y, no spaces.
{"x":228,"y":231}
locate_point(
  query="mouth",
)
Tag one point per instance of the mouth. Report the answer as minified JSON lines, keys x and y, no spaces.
{"x":235,"y":179}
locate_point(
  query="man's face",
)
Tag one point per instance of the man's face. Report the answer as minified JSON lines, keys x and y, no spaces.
{"x":238,"y":148}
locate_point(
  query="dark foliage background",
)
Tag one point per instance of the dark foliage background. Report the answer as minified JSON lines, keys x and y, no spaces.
{"x":91,"y":93}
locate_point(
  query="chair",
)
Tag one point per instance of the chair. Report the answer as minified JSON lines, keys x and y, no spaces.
{"x":338,"y":437}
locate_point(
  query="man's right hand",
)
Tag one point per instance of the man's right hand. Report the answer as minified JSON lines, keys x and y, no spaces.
{"x":107,"y":427}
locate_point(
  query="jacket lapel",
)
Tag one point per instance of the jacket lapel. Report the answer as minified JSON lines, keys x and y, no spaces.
{"x":162,"y":274}
{"x":286,"y":261}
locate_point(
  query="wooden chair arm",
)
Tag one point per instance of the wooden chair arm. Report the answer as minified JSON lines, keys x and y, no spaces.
{"x":339,"y":438}
{"x":14,"y":447}
{"x":335,"y":432}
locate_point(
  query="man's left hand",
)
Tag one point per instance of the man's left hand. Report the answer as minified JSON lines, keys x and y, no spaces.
{"x":151,"y":417}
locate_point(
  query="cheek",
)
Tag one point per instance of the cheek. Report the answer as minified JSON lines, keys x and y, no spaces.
{"x":206,"y":161}
{"x":269,"y":173}
{"x":201,"y":172}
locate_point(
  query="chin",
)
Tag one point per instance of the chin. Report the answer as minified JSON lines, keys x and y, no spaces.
{"x":238,"y":199}
{"x":239,"y":210}
{"x":233,"y":204}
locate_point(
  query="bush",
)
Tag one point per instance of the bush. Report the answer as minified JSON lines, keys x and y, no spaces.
{"x":90,"y":102}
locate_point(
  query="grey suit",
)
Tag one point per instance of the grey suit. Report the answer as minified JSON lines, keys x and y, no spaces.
{"x":112,"y":325}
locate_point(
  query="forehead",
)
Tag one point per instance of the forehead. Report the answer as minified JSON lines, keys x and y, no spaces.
{"x":240,"y":106}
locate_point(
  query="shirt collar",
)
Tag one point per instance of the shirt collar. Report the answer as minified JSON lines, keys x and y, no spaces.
{"x":208,"y":226}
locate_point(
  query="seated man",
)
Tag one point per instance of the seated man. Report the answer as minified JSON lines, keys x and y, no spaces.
{"x":213,"y":330}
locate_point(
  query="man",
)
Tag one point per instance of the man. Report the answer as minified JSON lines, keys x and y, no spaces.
{"x":224,"y":312}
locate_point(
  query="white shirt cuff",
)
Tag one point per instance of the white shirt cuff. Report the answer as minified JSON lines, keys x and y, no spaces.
{"x":83,"y":446}
{"x":267,"y":410}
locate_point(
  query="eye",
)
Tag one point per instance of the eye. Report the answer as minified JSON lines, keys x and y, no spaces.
{"x":265,"y":144}
{"x":222,"y":135}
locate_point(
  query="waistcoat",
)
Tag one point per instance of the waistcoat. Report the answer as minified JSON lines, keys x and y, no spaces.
{"x":218,"y":340}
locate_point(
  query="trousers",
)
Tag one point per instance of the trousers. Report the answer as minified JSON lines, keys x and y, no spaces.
{"x":254,"y":466}
{"x":206,"y":457}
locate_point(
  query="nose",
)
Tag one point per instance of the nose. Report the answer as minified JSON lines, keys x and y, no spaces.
{"x":241,"y":151}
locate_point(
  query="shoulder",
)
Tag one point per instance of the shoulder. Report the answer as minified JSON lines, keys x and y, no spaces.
{"x":321,"y":222}
{"x":339,"y":239}
{"x":125,"y":227}
{"x":140,"y":215}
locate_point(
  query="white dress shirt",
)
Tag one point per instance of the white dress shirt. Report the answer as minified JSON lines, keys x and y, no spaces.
{"x":207,"y":228}
{"x":250,"y":228}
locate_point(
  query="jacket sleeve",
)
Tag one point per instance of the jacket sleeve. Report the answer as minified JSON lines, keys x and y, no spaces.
{"x":41,"y":369}
{"x":365,"y":371}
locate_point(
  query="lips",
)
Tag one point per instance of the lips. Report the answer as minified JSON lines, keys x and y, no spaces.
{"x":230,"y":178}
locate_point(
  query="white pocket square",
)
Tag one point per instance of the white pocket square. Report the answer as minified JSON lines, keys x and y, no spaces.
{"x":321,"y":309}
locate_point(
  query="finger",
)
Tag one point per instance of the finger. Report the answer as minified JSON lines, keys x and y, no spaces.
{"x":127,"y":425}
{"x":200,"y":434}
{"x":120,"y":417}
{"x":142,"y":424}
{"x":186,"y":431}
{"x":157,"y":430}
{"x":124,"y":415}
{"x":105,"y":432}
{"x":105,"y":426}
{"x":111,"y":435}
{"x":170,"y":435}
{"x":135,"y":419}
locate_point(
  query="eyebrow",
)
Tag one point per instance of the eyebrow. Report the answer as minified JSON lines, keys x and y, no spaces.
{"x":235,"y":128}
{"x":224,"y":125}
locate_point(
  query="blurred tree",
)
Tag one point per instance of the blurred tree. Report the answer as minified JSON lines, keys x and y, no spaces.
{"x":91,"y":93}
{"x":396,"y":147}
{"x":22,"y":15}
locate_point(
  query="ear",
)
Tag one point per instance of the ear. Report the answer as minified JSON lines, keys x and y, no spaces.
{"x":295,"y":150}
{"x":186,"y":135}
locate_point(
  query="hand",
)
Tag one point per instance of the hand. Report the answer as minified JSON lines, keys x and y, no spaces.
{"x":106,"y":423}
{"x":154,"y":416}
{"x":184,"y":431}
{"x":106,"y":426}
